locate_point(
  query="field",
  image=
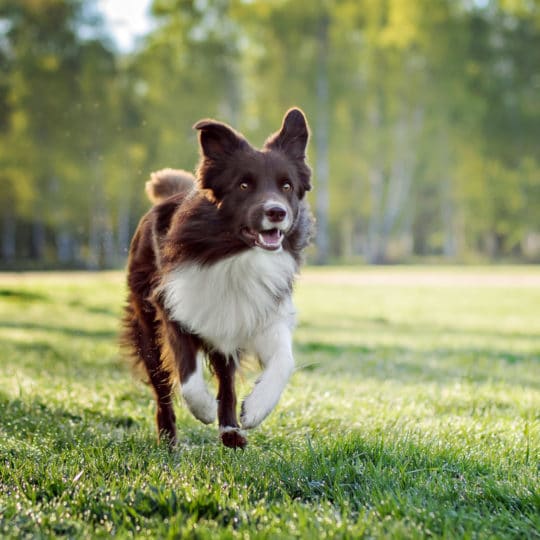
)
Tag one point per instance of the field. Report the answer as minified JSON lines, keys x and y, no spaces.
{"x":414,"y":412}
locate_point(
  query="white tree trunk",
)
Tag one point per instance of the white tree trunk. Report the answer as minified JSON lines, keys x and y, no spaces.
{"x":123,"y":229}
{"x":390,"y":198}
{"x":321,"y":144}
{"x":64,"y":246}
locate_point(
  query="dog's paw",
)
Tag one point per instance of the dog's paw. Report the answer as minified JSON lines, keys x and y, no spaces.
{"x":202,"y":406}
{"x":254,"y":410}
{"x":232,"y":437}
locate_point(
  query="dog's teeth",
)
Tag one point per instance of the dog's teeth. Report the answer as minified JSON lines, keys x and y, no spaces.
{"x":270,"y":239}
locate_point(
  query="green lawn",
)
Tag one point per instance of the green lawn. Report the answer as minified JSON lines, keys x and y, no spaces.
{"x":414,"y":412}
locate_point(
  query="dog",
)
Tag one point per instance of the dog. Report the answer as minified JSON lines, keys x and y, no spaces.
{"x":210,"y":274}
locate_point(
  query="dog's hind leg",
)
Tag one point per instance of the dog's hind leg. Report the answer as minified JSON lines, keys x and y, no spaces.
{"x":141,"y":334}
{"x":229,"y":431}
{"x":274,"y":348}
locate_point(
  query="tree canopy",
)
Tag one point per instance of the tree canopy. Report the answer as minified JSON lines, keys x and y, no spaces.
{"x":425,"y":120}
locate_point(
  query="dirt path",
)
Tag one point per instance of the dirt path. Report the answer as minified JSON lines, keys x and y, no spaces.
{"x":10,"y":278}
{"x":459,"y":276}
{"x":426,"y":276}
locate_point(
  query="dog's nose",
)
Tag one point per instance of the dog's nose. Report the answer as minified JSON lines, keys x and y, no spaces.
{"x":275,"y":213}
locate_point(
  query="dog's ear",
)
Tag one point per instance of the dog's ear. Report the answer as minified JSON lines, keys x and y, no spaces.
{"x":218,"y":140}
{"x":293,"y":136}
{"x":218,"y":143}
{"x":292,"y":140}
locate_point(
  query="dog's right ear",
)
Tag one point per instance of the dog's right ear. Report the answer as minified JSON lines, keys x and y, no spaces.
{"x":293,"y":136}
{"x":218,"y":140}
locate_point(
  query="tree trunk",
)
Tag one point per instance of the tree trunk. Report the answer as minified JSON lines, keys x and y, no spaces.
{"x":9,"y":239}
{"x":64,"y":246}
{"x":448,"y":218}
{"x":108,"y":240}
{"x":449,"y":215}
{"x":376,"y":189}
{"x":123,"y":229}
{"x":37,"y":250}
{"x":376,"y":183}
{"x":321,"y":143}
{"x":93,"y":258}
{"x":98,"y":217}
{"x":390,"y":201}
{"x":347,"y":237}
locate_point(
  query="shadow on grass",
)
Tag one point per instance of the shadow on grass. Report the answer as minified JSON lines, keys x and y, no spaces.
{"x":66,"y":330}
{"x":363,"y":324}
{"x":321,"y":358}
{"x":36,"y":420}
{"x":413,"y":365}
{"x":48,"y":362}
{"x":96,"y":310}
{"x":21,"y":295}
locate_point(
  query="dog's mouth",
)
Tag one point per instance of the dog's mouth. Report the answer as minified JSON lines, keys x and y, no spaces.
{"x":270,"y":239}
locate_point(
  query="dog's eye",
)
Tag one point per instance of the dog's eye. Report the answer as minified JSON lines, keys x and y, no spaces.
{"x":286,"y":186}
{"x":245,"y":182}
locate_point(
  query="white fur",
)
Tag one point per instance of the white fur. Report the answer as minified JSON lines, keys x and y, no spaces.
{"x":230,"y":302}
{"x":231,"y":429}
{"x":273,"y":346}
{"x":195,"y":393}
{"x":283,"y":225}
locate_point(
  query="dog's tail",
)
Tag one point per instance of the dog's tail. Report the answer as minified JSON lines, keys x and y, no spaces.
{"x":167,"y":182}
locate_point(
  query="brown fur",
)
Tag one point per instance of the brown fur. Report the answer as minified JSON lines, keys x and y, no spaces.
{"x":168,"y":182}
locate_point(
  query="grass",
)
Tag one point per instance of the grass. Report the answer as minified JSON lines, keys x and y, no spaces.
{"x":414,"y":412}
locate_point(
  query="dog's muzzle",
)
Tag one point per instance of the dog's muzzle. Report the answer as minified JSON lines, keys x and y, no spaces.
{"x":276,"y":220}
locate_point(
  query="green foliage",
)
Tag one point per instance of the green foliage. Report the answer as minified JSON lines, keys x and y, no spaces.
{"x":413,"y":413}
{"x":424,"y":114}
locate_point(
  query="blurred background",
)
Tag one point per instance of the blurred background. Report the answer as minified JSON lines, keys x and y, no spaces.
{"x":425,"y":119}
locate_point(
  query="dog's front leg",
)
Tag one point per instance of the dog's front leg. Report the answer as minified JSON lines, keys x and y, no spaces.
{"x":188,"y":361}
{"x":200,"y":402}
{"x":274,"y":349}
{"x":229,"y":431}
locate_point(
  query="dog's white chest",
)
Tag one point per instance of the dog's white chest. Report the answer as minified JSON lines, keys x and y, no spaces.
{"x":229,"y":302}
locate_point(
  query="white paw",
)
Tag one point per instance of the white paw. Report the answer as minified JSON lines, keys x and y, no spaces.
{"x":256,"y":407}
{"x":200,"y":402}
{"x":202,"y":405}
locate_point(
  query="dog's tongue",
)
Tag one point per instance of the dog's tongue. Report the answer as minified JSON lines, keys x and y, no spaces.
{"x":271,"y":238}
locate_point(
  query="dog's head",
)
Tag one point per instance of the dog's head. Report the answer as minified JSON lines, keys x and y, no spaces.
{"x":259,"y":192}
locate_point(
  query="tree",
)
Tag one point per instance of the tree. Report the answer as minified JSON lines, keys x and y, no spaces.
{"x":424,"y":116}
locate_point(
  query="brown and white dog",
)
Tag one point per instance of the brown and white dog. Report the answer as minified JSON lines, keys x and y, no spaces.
{"x":211,"y":270}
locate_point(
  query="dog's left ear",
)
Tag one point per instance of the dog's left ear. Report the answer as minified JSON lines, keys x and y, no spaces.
{"x":292,"y":140}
